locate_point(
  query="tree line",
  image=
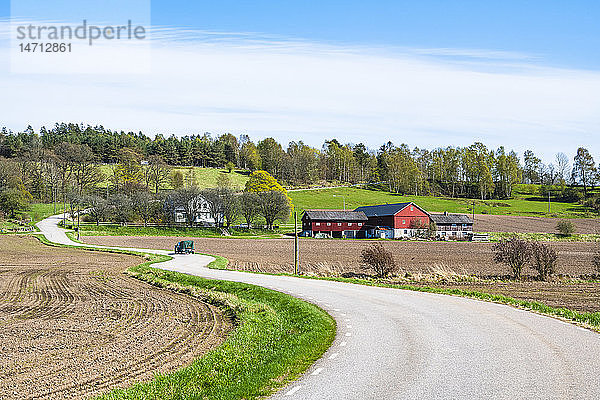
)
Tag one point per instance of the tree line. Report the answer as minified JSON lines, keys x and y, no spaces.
{"x":473,"y":171}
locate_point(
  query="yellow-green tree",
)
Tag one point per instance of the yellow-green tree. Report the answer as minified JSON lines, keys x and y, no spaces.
{"x":272,"y":200}
{"x":262,"y":181}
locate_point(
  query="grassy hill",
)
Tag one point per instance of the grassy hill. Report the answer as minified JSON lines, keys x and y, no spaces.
{"x":204,"y":177}
{"x":354,"y":197}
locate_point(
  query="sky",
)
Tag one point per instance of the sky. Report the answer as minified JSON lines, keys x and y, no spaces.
{"x":523,"y":74}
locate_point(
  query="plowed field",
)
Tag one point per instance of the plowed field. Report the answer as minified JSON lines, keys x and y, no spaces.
{"x":575,"y":258}
{"x":72,"y":325}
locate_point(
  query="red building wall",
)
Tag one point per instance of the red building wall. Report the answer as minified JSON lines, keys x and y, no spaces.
{"x":402,"y":220}
{"x":335,"y":226}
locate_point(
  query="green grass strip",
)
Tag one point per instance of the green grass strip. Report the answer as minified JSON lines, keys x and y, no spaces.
{"x":277,"y":337}
{"x":588,"y":320}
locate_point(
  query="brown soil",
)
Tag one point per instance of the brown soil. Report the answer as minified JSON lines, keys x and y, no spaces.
{"x":575,"y":258}
{"x":505,"y":223}
{"x":72,"y":325}
{"x":340,"y":257}
{"x":583,"y":297}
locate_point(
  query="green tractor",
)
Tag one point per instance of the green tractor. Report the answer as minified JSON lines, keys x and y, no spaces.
{"x":185,"y":247}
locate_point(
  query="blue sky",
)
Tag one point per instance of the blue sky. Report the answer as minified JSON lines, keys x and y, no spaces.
{"x":524,"y":74}
{"x":565,"y":33}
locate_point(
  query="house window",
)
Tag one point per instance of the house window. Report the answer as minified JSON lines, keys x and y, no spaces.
{"x":406,"y":231}
{"x":329,"y":224}
{"x":339,"y":224}
{"x":360,"y":224}
{"x":403,"y":222}
{"x":318,"y":224}
{"x":411,"y":208}
{"x":349,"y":223}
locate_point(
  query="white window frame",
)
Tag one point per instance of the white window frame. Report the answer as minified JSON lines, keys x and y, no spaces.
{"x":317,"y":223}
{"x":329,"y":224}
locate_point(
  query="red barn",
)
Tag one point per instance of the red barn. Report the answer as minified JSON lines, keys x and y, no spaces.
{"x":334,"y":223}
{"x":395,"y":220}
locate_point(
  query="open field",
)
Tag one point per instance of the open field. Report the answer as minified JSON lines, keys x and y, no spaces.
{"x":324,"y":198}
{"x":440,"y":260}
{"x":575,"y":258}
{"x":74,"y":326}
{"x":520,"y":224}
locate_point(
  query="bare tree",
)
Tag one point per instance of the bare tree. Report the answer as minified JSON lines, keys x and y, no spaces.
{"x":249,"y":207}
{"x":273,"y":205}
{"x":562,"y":166}
{"x":97,"y":207}
{"x":513,"y":252}
{"x":144,"y":205}
{"x":157,"y":173}
{"x":188,"y":199}
{"x":120,"y":209}
{"x":379,"y":260}
{"x":544,"y":259}
{"x":231,"y":205}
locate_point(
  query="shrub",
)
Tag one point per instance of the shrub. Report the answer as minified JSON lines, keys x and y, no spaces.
{"x":513,"y":252}
{"x":565,"y":228}
{"x":379,"y":260}
{"x":544,"y":259}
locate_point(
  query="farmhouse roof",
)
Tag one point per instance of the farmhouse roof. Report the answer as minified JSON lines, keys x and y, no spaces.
{"x":446,"y":219}
{"x":336,"y":215}
{"x":384,"y":210}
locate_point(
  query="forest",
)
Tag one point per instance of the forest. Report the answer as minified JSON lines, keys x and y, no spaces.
{"x":47,"y":164}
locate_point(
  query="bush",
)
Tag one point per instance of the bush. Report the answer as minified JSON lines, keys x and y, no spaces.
{"x":379,"y":260}
{"x":565,"y":228}
{"x":544,"y":259}
{"x":513,"y":252}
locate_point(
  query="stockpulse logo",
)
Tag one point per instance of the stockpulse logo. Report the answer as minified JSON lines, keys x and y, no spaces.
{"x":49,"y":35}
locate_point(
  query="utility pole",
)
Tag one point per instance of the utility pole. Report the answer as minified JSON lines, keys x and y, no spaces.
{"x":296,"y":249}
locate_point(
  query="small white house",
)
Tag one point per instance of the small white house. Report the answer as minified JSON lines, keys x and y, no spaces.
{"x":202,"y":213}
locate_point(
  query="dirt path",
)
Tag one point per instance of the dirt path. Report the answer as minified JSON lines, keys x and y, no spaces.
{"x":72,"y":325}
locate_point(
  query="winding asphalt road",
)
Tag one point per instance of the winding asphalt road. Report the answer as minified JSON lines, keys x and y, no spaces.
{"x":395,"y":344}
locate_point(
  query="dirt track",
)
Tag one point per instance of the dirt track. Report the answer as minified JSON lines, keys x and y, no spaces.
{"x":73,"y":325}
{"x":505,"y":223}
{"x":575,"y":258}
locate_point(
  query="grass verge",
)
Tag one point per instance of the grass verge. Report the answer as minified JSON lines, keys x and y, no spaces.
{"x":587,"y":320}
{"x":277,"y":337}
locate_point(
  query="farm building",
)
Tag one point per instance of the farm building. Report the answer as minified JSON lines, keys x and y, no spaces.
{"x":395,"y":221}
{"x":335,"y":223}
{"x":203,"y":215}
{"x":386,"y":221}
{"x":452,"y":226}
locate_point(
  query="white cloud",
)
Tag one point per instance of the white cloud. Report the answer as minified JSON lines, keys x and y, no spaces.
{"x":202,"y":81}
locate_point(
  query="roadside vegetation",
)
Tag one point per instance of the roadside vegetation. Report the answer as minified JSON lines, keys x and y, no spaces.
{"x":276,"y":339}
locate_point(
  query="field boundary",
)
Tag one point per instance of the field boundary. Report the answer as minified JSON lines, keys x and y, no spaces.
{"x":258,"y":357}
